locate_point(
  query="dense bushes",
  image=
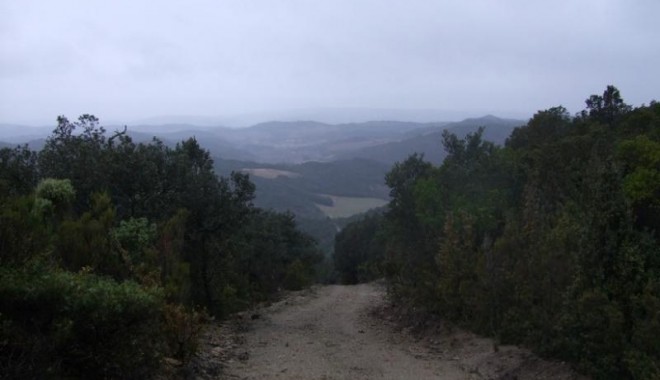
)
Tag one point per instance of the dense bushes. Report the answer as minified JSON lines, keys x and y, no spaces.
{"x":112,"y":253}
{"x":551,"y":241}
{"x":59,"y":323}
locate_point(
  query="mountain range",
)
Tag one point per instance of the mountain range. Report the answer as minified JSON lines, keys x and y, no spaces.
{"x":322,"y":173}
{"x":302,"y":141}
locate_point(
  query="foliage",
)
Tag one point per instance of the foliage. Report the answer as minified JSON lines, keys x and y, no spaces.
{"x":297,"y":276}
{"x":359,"y":250}
{"x":56,"y":191}
{"x":23,"y":235}
{"x":88,"y":241}
{"x":277,"y":255}
{"x":61,"y":323}
{"x":18,"y":171}
{"x":112,"y":253}
{"x":551,"y":240}
{"x":182,"y":329}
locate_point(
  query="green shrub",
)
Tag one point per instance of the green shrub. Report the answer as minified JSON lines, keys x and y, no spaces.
{"x":135,"y":235}
{"x":56,"y":190}
{"x":55,"y":195}
{"x":57,"y":324}
{"x":297,"y":276}
{"x":23,"y":235}
{"x":182,"y":328}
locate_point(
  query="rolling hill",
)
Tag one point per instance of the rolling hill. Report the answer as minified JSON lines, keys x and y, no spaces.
{"x":319,"y":194}
{"x":304,"y":141}
{"x":320,"y":172}
{"x":302,"y":188}
{"x":429,"y":140}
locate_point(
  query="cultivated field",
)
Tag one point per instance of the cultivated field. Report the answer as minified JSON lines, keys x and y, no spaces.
{"x":344,"y":207}
{"x":270,"y":173}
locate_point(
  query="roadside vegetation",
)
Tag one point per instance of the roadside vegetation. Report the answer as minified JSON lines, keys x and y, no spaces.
{"x":552,"y":241}
{"x":112,"y":253}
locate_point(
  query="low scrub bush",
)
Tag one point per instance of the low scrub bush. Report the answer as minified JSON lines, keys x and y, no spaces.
{"x":182,"y":327}
{"x":62,"y":324}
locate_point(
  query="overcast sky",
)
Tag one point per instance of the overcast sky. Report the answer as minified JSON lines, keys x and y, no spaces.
{"x":128,"y":60}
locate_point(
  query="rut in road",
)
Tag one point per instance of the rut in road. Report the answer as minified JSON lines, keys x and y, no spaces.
{"x":328,"y":334}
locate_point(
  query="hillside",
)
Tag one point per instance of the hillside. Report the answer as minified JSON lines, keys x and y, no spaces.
{"x":16,"y":133}
{"x":429,"y":140}
{"x":319,"y":194}
{"x":319,"y":172}
{"x":296,"y":142}
{"x":301,"y":188}
{"x":302,"y":141}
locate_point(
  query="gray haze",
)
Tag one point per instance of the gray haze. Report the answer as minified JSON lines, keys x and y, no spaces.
{"x":225,"y":61}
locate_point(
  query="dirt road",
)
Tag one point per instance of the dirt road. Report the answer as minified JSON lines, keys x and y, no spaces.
{"x":332,"y":332}
{"x":327,"y":334}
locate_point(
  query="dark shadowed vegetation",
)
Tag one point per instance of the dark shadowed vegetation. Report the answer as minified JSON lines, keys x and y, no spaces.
{"x":112,"y":253}
{"x":552,"y":241}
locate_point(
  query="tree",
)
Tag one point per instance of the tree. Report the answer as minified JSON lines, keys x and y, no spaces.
{"x":551,"y":241}
{"x":359,"y":250}
{"x":607,"y":108}
{"x":406,"y":253}
{"x":110,"y":252}
{"x":18,"y":171}
{"x":77,"y":151}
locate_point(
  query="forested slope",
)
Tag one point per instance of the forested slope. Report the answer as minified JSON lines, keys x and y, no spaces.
{"x":552,"y":241}
{"x":112,"y":252}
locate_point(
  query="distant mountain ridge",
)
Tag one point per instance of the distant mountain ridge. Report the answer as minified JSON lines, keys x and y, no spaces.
{"x":327,"y":115}
{"x":309,"y":168}
{"x":428,"y":141}
{"x":305,"y":141}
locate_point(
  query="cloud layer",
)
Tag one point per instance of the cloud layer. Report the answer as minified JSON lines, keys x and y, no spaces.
{"x":126,"y":60}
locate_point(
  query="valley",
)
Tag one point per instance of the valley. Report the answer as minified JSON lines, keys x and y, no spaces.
{"x":329,"y":190}
{"x":321,"y":173}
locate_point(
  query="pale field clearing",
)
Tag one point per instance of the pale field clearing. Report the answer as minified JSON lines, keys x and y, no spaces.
{"x":344,"y":207}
